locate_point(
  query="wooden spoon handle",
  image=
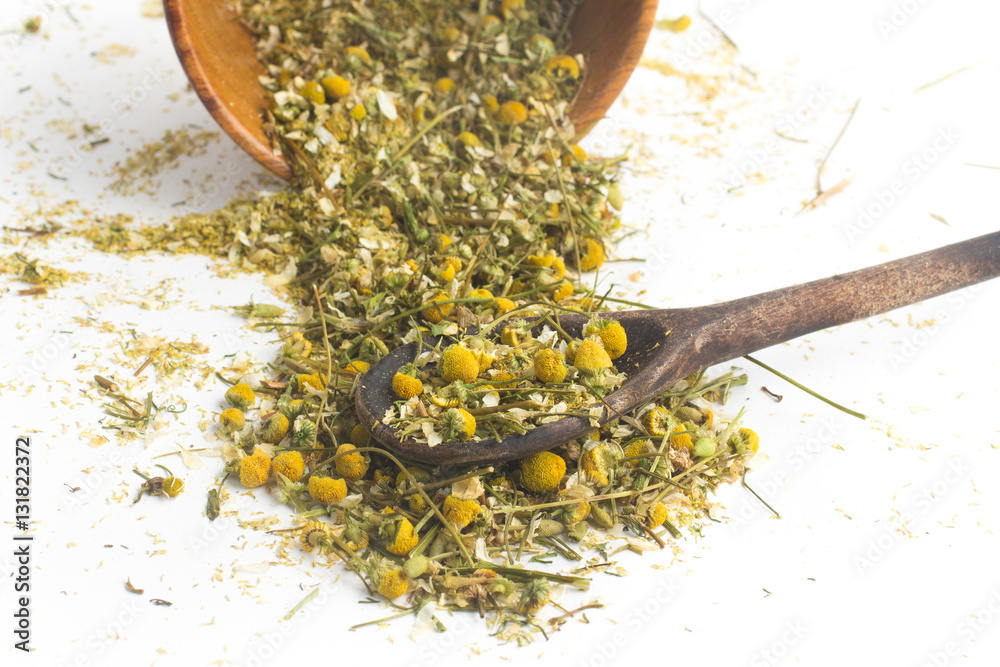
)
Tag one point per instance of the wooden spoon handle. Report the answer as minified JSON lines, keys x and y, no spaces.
{"x":760,"y":321}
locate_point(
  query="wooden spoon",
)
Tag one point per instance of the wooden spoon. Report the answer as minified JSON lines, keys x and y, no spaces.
{"x":665,"y":346}
{"x":217,"y":53}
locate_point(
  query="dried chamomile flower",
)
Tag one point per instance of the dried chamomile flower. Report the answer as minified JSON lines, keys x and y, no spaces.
{"x":360,"y":436}
{"x":296,"y":347}
{"x":457,"y":424}
{"x":406,"y":386}
{"x":744,"y":441}
{"x":458,"y":363}
{"x":355,"y":537}
{"x":255,"y":469}
{"x":503,"y":305}
{"x":657,"y":421}
{"x":315,"y":535}
{"x":611,"y":333}
{"x":240,"y":396}
{"x":591,"y":357}
{"x":306,"y":382}
{"x":461,"y":512}
{"x":563,"y":66}
{"x":602,"y":458}
{"x":357,"y":367}
{"x":681,"y":435}
{"x":274,"y":428}
{"x":703,"y":447}
{"x":549,"y":366}
{"x":512,"y":113}
{"x":350,"y":464}
{"x":592,"y":255}
{"x":656,"y":515}
{"x":289,"y":464}
{"x":303,"y":431}
{"x":535,"y":596}
{"x":335,"y":86}
{"x":393,"y":584}
{"x":402,"y":539}
{"x":437,"y":311}
{"x":326,"y":489}
{"x":232,"y":420}
{"x":542,"y":472}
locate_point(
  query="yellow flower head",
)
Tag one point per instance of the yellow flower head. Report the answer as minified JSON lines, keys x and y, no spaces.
{"x":591,"y":357}
{"x":470,"y":140}
{"x":436,"y":313}
{"x":419,"y":474}
{"x":514,"y":335}
{"x":611,"y":333}
{"x":406,"y":386}
{"x":357,"y":367}
{"x":680,"y":438}
{"x":312,"y":381}
{"x":240,"y":396}
{"x":255,"y":469}
{"x":457,"y":424}
{"x":601,"y":459}
{"x":458,"y":363}
{"x":508,"y":7}
{"x":563,"y":292}
{"x":491,"y":104}
{"x":313,"y":92}
{"x":352,"y":466}
{"x":540,"y":260}
{"x":549,"y":366}
{"x":404,"y":539}
{"x":635,"y":449}
{"x":558,"y":268}
{"x":461,"y":512}
{"x":576,"y":155}
{"x":563,"y":67}
{"x":326,"y":489}
{"x":393,"y":584}
{"x":444,"y":85}
{"x":576,"y":513}
{"x":656,"y":515}
{"x":232,"y":420}
{"x":542,"y":472}
{"x":355,"y":537}
{"x":512,"y":113}
{"x":313,"y":535}
{"x":358,"y":112}
{"x":360,"y":436}
{"x":656,"y":421}
{"x":592,"y":256}
{"x":503,"y":305}
{"x":289,"y":464}
{"x":296,"y":347}
{"x":274,"y":428}
{"x":744,"y":441}
{"x":172,"y":486}
{"x":335,"y":86}
{"x":481,"y":294}
{"x":359,"y":54}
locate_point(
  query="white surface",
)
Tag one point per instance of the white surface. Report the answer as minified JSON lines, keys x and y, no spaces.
{"x":887,"y":547}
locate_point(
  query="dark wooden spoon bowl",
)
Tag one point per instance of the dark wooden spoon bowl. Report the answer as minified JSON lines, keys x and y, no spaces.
{"x":218,"y":55}
{"x":665,"y":346}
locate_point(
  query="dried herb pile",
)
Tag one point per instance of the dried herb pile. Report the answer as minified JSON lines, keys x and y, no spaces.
{"x":438,"y":186}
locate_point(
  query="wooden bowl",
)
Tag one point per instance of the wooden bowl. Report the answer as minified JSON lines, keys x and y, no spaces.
{"x":218,"y":55}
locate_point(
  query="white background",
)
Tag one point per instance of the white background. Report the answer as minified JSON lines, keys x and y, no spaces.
{"x":886,"y":550}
